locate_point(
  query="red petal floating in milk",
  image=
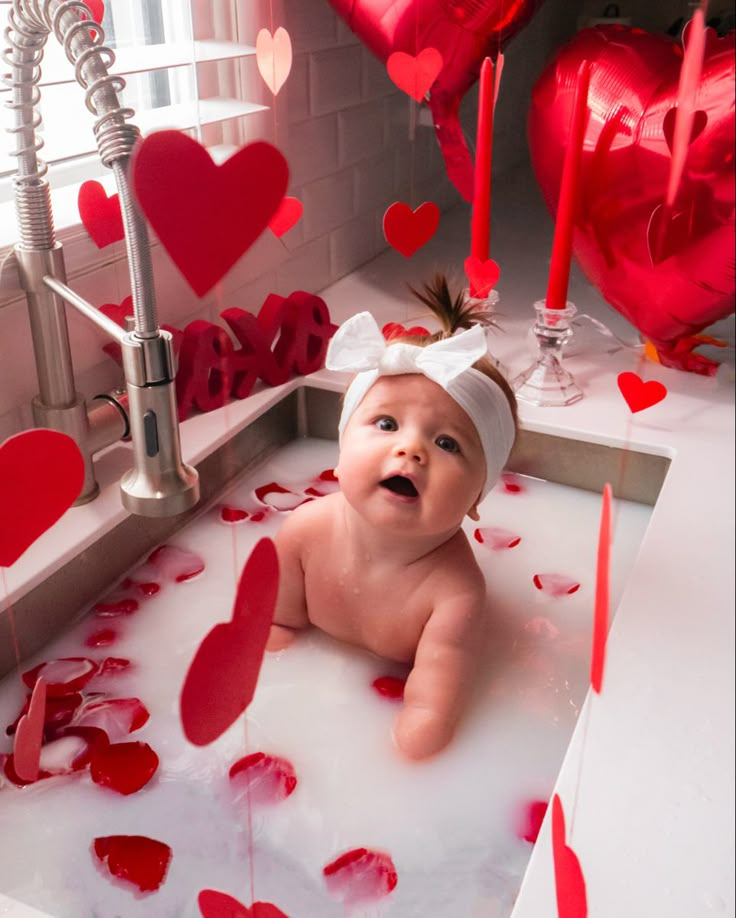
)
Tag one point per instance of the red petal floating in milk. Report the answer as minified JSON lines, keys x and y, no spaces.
{"x":112,"y":607}
{"x":63,"y":676}
{"x":542,"y":626}
{"x":59,"y":712}
{"x":177,"y":564}
{"x":496,"y":539}
{"x":267,"y":778}
{"x":278,"y":498}
{"x":532,"y":819}
{"x":511,"y":483}
{"x":123,"y":767}
{"x":135,"y":858}
{"x":327,"y":475}
{"x":214,"y":904}
{"x":555,"y":584}
{"x":259,"y":516}
{"x":116,"y":716}
{"x":390,"y":687}
{"x":102,"y":638}
{"x":233,"y":514}
{"x":110,"y":666}
{"x":360,"y":876}
{"x":71,"y":751}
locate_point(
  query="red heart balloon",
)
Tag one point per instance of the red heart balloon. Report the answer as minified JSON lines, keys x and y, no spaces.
{"x":100,"y":214}
{"x":464,"y":32}
{"x":222,"y":676}
{"x":407,"y":230}
{"x":623,"y":180}
{"x":41,"y":475}
{"x":206,"y":216}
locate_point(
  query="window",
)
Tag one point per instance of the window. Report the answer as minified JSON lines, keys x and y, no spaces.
{"x":184,"y":67}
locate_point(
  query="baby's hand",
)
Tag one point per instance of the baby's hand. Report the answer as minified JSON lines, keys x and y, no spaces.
{"x":279,"y":638}
{"x":438,"y":686}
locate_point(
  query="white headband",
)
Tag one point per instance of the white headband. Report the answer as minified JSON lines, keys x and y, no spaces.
{"x":359,"y":347}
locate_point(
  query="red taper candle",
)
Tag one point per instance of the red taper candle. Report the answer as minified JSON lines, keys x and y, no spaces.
{"x":480,"y":226}
{"x":559,"y":269}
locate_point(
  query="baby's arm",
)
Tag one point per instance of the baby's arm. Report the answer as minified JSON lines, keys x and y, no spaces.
{"x":291,"y":606}
{"x":440,"y":681}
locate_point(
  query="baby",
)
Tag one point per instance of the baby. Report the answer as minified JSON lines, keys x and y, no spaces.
{"x":426,"y":429}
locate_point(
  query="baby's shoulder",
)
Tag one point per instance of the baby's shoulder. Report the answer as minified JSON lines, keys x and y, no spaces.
{"x":455,"y":570}
{"x":312,"y":519}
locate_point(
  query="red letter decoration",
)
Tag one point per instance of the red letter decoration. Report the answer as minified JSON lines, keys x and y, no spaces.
{"x":304,"y":327}
{"x":205,"y":215}
{"x":206,"y":365}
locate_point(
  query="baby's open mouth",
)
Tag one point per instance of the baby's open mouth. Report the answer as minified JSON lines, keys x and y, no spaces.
{"x":400,"y":485}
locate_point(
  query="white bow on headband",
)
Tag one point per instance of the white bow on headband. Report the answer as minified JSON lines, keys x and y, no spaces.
{"x":358,"y":345}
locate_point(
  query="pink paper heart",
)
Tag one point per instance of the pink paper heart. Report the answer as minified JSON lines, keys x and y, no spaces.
{"x":415,"y":75}
{"x":600,"y":615}
{"x":214,"y":904}
{"x":222,"y":676}
{"x":29,"y":735}
{"x":638,"y":394}
{"x":289,"y":212}
{"x":274,"y":57}
{"x":407,"y":230}
{"x":100,"y":214}
{"x":483,"y":275}
{"x":572,"y":900}
{"x":223,"y":210}
{"x":41,"y":475}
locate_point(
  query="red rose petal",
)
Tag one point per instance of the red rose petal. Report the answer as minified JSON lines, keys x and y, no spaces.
{"x":511,"y":483}
{"x":214,"y":904}
{"x":115,"y":605}
{"x":230,"y":514}
{"x":102,"y":638}
{"x":327,"y":475}
{"x":63,"y":676}
{"x":70,"y":751}
{"x":110,"y":666}
{"x":177,"y":564}
{"x":116,"y":716}
{"x":390,"y":687}
{"x":360,"y":876}
{"x":267,"y":778}
{"x":532,"y":819}
{"x":123,"y":767}
{"x":134,"y":858}
{"x":59,"y":712}
{"x":276,"y":497}
{"x":259,"y":516}
{"x":496,"y":539}
{"x":555,"y":584}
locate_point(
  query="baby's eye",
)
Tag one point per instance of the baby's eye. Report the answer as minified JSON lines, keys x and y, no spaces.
{"x":386,"y":423}
{"x":448,"y":444}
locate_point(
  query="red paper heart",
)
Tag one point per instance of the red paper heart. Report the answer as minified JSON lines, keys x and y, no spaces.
{"x":397,"y":330}
{"x":41,"y":475}
{"x":407,"y":230}
{"x":222,"y":676}
{"x":206,"y":216}
{"x":638,"y":394}
{"x":624,"y":176}
{"x":135,"y":858}
{"x":214,"y":904}
{"x":118,"y":312}
{"x":289,"y":212}
{"x":572,"y":900}
{"x":274,"y":57}
{"x":100,"y":214}
{"x":415,"y":75}
{"x":600,"y":615}
{"x":29,"y":735}
{"x":483,"y":275}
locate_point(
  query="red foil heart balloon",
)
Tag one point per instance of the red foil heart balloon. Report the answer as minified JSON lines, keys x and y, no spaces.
{"x":624,"y":174}
{"x":463,"y":31}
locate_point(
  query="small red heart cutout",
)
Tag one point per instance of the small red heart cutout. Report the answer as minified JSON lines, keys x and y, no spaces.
{"x":214,"y":904}
{"x":415,"y":75}
{"x":41,"y":475}
{"x":483,"y":275}
{"x":638,"y":394}
{"x":289,"y":212}
{"x":700,"y":120}
{"x":118,"y":312}
{"x":224,"y":210}
{"x":29,"y":735}
{"x":572,"y":901}
{"x":407,"y":230}
{"x":222,"y":676}
{"x":100,"y":214}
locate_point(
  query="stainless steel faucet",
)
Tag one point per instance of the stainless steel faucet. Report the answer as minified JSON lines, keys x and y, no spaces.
{"x":160,"y":483}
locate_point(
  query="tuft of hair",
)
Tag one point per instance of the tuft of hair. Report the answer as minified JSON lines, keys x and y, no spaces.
{"x":449,"y":307}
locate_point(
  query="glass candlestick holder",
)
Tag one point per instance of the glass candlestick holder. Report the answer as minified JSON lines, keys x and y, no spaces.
{"x":546,"y":382}
{"x":482,"y":304}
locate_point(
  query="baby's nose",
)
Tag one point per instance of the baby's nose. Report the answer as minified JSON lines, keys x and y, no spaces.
{"x":411,"y":448}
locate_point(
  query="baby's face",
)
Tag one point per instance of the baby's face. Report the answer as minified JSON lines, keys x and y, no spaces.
{"x":411,"y":458}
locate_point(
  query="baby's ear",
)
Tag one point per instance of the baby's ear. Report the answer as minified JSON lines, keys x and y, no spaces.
{"x":473,"y":512}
